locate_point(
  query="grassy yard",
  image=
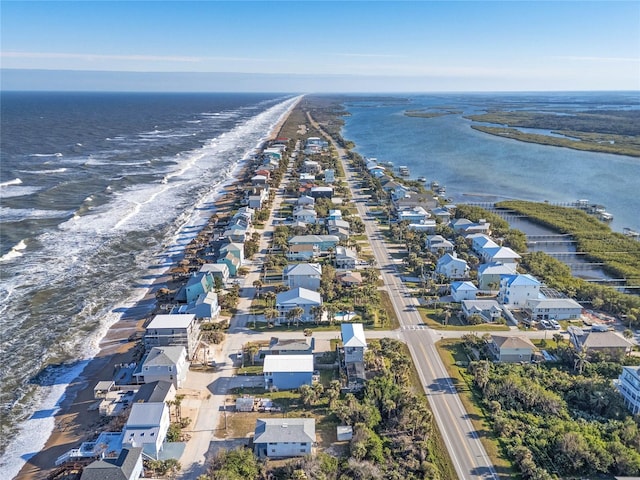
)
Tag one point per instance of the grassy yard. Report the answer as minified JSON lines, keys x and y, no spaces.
{"x":387,"y":306}
{"x":452,"y":355}
{"x":432,"y":320}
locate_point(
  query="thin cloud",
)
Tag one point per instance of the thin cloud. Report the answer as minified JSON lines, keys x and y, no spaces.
{"x":369,"y":55}
{"x":132,"y":58}
{"x":598,"y":59}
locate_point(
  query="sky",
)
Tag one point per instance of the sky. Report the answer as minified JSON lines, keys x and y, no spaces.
{"x":320,"y":46}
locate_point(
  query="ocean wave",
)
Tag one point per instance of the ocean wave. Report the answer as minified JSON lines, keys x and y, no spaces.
{"x":15,"y":252}
{"x":45,"y":172}
{"x":15,"y":181}
{"x":17,"y":214}
{"x":58,"y":154}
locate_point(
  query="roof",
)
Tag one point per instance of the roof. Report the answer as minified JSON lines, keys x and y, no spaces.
{"x":512,"y":342}
{"x":182,"y":320}
{"x":299,"y":295}
{"x":288,"y":363}
{"x":480,"y":304}
{"x":522,"y":280}
{"x":277,"y":430}
{"x":232,"y":247}
{"x":350,"y":277}
{"x":605,"y":340}
{"x":353,"y":335}
{"x":146,"y":414}
{"x":161,"y":356}
{"x":215,"y":267}
{"x":313,"y":239}
{"x":553,"y":303}
{"x":344,"y":252}
{"x":462,"y":286}
{"x":289,"y":344}
{"x":496,"y":269}
{"x":501,"y":252}
{"x":448,"y":258}
{"x":119,"y":468}
{"x":153,"y":392}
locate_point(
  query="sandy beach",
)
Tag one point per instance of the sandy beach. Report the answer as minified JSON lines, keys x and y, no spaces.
{"x":75,"y":421}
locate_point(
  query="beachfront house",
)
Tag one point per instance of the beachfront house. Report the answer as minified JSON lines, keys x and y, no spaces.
{"x":236,"y":233}
{"x":463,"y":291}
{"x":231,"y":261}
{"x":305,"y":275}
{"x":628,"y":384}
{"x":284,"y":437}
{"x":345,"y":257}
{"x":511,"y":349}
{"x":415,"y":214}
{"x":167,"y":330}
{"x":452,"y":267}
{"x":235,"y":249}
{"x":306,"y":200}
{"x":502,"y":255}
{"x":516,"y":290}
{"x":489,"y":310}
{"x":286,"y":372}
{"x":157,"y":391}
{"x":206,"y":307}
{"x":167,"y":364}
{"x":126,"y":466}
{"x":198,"y":283}
{"x":298,"y":297}
{"x":489,"y":275}
{"x":480,"y":241}
{"x":147,"y":427}
{"x":219,"y":270}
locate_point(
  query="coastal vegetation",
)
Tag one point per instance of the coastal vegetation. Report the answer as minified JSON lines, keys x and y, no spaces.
{"x":613,"y":131}
{"x":619,"y":254}
{"x":430,"y":114}
{"x":394,"y":433}
{"x":562,"y":419}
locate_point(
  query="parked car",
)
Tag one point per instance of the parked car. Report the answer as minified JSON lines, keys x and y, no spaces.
{"x":554,"y":324}
{"x":545,"y":324}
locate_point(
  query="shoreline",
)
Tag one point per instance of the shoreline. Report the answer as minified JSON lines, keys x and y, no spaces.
{"x":74,"y":421}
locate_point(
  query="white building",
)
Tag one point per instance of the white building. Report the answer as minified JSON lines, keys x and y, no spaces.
{"x":516,"y":290}
{"x":284,"y":437}
{"x":452,"y":267}
{"x":628,"y":384}
{"x":168,"y":364}
{"x":305,"y":275}
{"x":165,"y":330}
{"x":147,"y":427}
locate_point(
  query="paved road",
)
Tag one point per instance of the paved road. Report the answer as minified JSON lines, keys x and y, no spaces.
{"x":467,"y":452}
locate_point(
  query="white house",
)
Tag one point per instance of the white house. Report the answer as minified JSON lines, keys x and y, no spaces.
{"x":284,"y":437}
{"x":463,"y":291}
{"x":416,"y":214}
{"x":286,"y":372}
{"x":480,"y":241}
{"x":236,"y":233}
{"x":168,"y":364}
{"x":516,"y":290}
{"x":321,"y":242}
{"x":435,"y":243}
{"x":298,"y":297}
{"x":452,"y":267}
{"x":628,"y":384}
{"x":553,"y":308}
{"x":147,"y":427}
{"x":306,"y":215}
{"x":345,"y":257}
{"x":463,"y":226}
{"x":166,"y":330}
{"x":302,"y":252}
{"x":354,"y":342}
{"x":305,"y":275}
{"x":329,"y":175}
{"x":489,"y":310}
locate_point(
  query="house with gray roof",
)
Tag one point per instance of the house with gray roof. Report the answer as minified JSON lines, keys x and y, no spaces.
{"x":147,"y":427}
{"x":305,"y":275}
{"x":511,"y":348}
{"x":168,"y":364}
{"x":489,"y":274}
{"x":126,"y":466}
{"x":489,"y":310}
{"x":173,"y":329}
{"x":452,"y":267}
{"x":607,"y":343}
{"x":463,"y":291}
{"x":219,"y":270}
{"x":291,"y":346}
{"x":284,"y":437}
{"x":346,"y":257}
{"x":298,"y":297}
{"x":553,"y":308}
{"x":157,"y":391}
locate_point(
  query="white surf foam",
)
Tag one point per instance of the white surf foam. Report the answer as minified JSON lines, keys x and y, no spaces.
{"x":58,"y":154}
{"x":15,"y":252}
{"x":15,"y":181}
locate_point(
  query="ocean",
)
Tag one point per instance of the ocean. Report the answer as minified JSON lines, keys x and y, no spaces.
{"x":99,"y":191}
{"x":477,"y":167}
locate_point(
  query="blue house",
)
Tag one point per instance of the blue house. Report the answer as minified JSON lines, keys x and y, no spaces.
{"x":198,"y":283}
{"x":286,"y":372}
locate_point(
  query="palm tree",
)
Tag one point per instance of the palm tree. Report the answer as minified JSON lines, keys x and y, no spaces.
{"x":270,"y":314}
{"x":258,"y":286}
{"x":253,"y":349}
{"x":295,"y":314}
{"x":580,"y":359}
